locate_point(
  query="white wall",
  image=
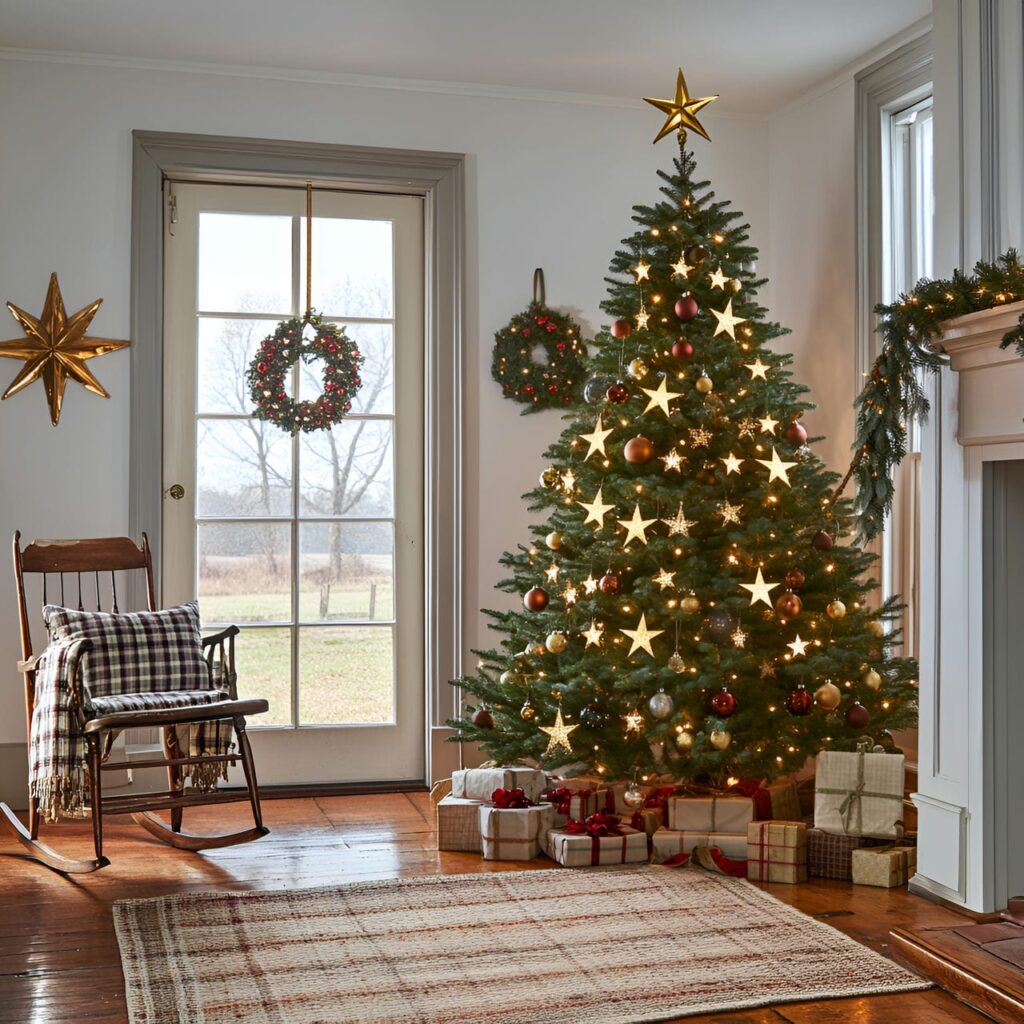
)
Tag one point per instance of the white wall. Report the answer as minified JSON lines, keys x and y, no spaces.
{"x":549,"y":184}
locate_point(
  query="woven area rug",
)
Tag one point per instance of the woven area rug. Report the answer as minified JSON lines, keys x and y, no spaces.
{"x":523,"y":947}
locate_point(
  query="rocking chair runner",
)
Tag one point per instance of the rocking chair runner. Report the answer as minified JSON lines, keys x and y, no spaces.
{"x":90,"y":558}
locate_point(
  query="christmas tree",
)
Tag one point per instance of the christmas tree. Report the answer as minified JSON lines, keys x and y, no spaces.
{"x":692,"y":601}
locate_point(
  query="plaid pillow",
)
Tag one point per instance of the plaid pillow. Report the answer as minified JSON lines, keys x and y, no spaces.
{"x":136,"y":652}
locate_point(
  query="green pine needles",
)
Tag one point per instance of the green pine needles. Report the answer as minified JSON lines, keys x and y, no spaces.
{"x":688,"y":601}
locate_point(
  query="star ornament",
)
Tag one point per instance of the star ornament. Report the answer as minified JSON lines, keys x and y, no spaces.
{"x":759,"y":590}
{"x":727,"y":322}
{"x":717,"y":278}
{"x":597,"y":439}
{"x":673,"y":460}
{"x":798,"y":647}
{"x":636,"y":527}
{"x":634,"y":721}
{"x":732,"y":463}
{"x":680,"y":268}
{"x":729,"y":513}
{"x":590,"y":585}
{"x":641,"y":637}
{"x":641,"y":319}
{"x":593,"y":635}
{"x":596,"y":509}
{"x":679,"y":524}
{"x":757,"y":369}
{"x":558,"y":735}
{"x":681,"y":112}
{"x":777,"y":469}
{"x":642,"y":271}
{"x":665,"y":579}
{"x":660,"y":397}
{"x":56,"y":348}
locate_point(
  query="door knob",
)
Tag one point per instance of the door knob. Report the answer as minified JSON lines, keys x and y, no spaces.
{"x":176,"y":491}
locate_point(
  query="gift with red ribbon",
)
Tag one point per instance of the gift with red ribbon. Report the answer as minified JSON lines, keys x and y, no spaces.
{"x":777,"y":851}
{"x":511,"y":799}
{"x":514,"y":832}
{"x":598,"y":839}
{"x":575,"y":803}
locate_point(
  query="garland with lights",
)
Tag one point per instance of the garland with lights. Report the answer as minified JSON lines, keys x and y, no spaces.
{"x":279,"y":351}
{"x":892,"y":395}
{"x":539,"y":386}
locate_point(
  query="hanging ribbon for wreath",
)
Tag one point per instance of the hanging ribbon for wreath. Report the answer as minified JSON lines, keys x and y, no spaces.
{"x":539,"y":385}
{"x":309,"y":338}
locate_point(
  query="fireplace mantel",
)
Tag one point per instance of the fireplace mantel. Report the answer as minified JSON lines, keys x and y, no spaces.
{"x":969,"y":745}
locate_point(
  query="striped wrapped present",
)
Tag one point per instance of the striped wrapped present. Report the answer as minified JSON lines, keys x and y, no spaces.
{"x":514,"y":833}
{"x":458,"y":824}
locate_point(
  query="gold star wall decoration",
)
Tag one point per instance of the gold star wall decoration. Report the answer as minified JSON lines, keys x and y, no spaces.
{"x":660,"y":397}
{"x":636,"y":527}
{"x":777,"y":469}
{"x":678,"y":524}
{"x":681,"y":112}
{"x":596,"y":509}
{"x":56,"y":348}
{"x":641,"y":637}
{"x":597,"y":439}
{"x":558,"y":734}
{"x":759,"y":590}
{"x":727,"y":322}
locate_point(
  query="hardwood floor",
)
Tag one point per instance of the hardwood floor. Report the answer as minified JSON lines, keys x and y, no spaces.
{"x":59,"y":960}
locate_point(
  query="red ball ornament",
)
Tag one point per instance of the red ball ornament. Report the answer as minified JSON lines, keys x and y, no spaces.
{"x":682,"y":350}
{"x":799,"y":702}
{"x":535,"y":599}
{"x":638,"y":450}
{"x":857,"y":716}
{"x":723,"y":703}
{"x":788,"y":605}
{"x":796,"y":434}
{"x":483,"y":719}
{"x":609,"y":583}
{"x":622,"y":329}
{"x":617,"y":393}
{"x":822,"y":541}
{"x":686,"y":308}
{"x":795,"y":579}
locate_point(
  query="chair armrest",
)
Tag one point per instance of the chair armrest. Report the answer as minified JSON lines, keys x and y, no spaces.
{"x":223,"y":644}
{"x":216,"y":638}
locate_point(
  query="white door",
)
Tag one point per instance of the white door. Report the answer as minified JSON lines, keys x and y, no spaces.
{"x":312,"y":544}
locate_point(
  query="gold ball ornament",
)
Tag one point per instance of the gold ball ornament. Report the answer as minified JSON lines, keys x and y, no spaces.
{"x":871,"y":679}
{"x":676,"y":663}
{"x":720,"y":738}
{"x":836,"y":609}
{"x":684,"y":740}
{"x":556,"y":642}
{"x":510,"y":678}
{"x":554,"y":540}
{"x":637,"y":369}
{"x":789,"y":605}
{"x":528,"y":712}
{"x":704,"y":384}
{"x":638,"y":450}
{"x":689,"y":605}
{"x":877,"y":627}
{"x":828,"y":696}
{"x":550,"y":477}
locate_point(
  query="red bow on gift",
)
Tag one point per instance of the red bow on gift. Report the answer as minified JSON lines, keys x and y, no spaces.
{"x":561,"y":798}
{"x":511,"y":799}
{"x":754,"y":788}
{"x":659,"y":797}
{"x":596,"y":826}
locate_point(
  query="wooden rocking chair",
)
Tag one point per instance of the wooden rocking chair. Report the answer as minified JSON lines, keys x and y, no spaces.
{"x":89,"y":558}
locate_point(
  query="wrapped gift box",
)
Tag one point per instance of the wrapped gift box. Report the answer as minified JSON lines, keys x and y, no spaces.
{"x":458,"y":824}
{"x":573,"y":850}
{"x":514,"y":833}
{"x":667,"y":843}
{"x":885,"y":866}
{"x":576,"y":804}
{"x":480,"y":783}
{"x":710,"y":814}
{"x":859,"y":794}
{"x":785,"y":801}
{"x":777,"y":851}
{"x":830,"y":856}
{"x":646,"y":819}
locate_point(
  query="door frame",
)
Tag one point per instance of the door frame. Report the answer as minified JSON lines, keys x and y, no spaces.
{"x":439,"y":178}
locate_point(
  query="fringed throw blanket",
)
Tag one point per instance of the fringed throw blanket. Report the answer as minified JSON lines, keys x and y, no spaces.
{"x":141,"y":661}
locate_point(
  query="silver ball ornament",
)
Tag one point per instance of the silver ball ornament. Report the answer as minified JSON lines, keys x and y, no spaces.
{"x":661,"y":705}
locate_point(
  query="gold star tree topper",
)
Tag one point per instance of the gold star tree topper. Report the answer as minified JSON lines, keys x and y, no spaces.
{"x":56,"y":348}
{"x":681,"y":112}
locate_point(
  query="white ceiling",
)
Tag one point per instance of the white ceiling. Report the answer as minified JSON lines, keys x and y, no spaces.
{"x":758,"y":54}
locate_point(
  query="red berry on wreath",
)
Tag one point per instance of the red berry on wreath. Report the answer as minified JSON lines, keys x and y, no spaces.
{"x":262,"y":367}
{"x":686,"y":308}
{"x":528,"y":390}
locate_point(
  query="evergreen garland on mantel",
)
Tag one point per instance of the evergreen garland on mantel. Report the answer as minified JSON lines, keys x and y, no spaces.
{"x":892,"y":394}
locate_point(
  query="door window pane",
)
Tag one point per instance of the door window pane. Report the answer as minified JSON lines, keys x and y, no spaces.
{"x":226,"y":348}
{"x":245,"y":263}
{"x":348,"y":470}
{"x":263,"y":658}
{"x":352,"y":267}
{"x":243,"y":468}
{"x":244,"y":572}
{"x":346,"y":571}
{"x":346,"y":675}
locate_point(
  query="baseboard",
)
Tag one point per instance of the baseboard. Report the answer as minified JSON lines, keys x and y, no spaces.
{"x":14,"y":775}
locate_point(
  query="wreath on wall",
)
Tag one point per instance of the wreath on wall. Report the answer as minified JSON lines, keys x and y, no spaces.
{"x":308,"y":338}
{"x":539,"y":385}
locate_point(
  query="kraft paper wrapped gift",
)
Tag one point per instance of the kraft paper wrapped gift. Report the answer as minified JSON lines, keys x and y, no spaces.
{"x":514,"y":833}
{"x":777,"y":851}
{"x":458,"y":824}
{"x":785,"y":800}
{"x":668,"y":843}
{"x":884,"y":866}
{"x":859,"y":794}
{"x":582,"y":850}
{"x":710,"y":813}
{"x":831,"y":856}
{"x":646,"y":819}
{"x":575,"y":804}
{"x":480,"y":783}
